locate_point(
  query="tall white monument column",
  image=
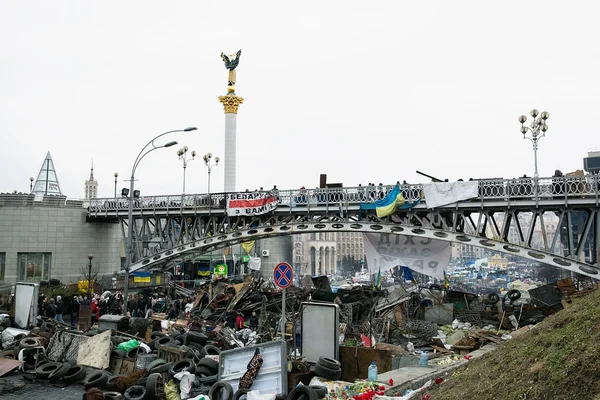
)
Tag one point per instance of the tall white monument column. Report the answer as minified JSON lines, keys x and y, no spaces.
{"x":230,"y":102}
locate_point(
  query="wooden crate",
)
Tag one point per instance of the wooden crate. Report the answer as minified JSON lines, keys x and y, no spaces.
{"x":121,"y":366}
{"x":170,"y":354}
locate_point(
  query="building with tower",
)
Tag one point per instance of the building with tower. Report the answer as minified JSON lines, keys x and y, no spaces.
{"x":91,"y":186}
{"x":46,"y":236}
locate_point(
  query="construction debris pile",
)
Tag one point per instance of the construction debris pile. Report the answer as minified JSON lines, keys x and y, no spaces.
{"x":225,"y":339}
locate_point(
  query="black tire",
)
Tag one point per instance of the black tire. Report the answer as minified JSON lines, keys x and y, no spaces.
{"x":197,"y":337}
{"x":135,"y":392}
{"x":29,"y":342}
{"x":133,"y":353}
{"x":329,"y":374}
{"x":9,"y":354}
{"x":161,"y":368}
{"x":241,"y":392}
{"x":302,"y":391}
{"x":330,"y":363}
{"x":209,"y":363}
{"x":222,"y":385}
{"x":74,"y":374}
{"x":210,"y":350}
{"x":203,"y":371}
{"x":47,"y":327}
{"x":181,"y":365}
{"x":513,"y":295}
{"x":59,"y":372}
{"x":156,"y":335}
{"x":208,"y":380}
{"x":117,"y":340}
{"x":72,"y":361}
{"x":112,"y":395}
{"x":96,"y":379}
{"x":196,"y":346}
{"x":44,"y":371}
{"x":164,"y":341}
{"x":19,"y":337}
{"x":112,"y":383}
{"x":175,"y":334}
{"x":155,"y":363}
{"x":493,"y":298}
{"x":320,"y":390}
{"x":151,"y":384}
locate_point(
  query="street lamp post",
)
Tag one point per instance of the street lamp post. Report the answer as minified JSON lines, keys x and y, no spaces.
{"x":116,"y":174}
{"x":182,"y":154}
{"x":90,"y":257}
{"x":208,"y":162}
{"x":129,"y":253}
{"x":537,"y":130}
{"x":31,"y":184}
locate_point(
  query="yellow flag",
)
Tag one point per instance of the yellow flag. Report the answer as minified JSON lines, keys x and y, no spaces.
{"x":247,"y":246}
{"x":83,"y":286}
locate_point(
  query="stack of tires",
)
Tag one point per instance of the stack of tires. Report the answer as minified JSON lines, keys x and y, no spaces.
{"x":328,"y":368}
{"x":312,"y":392}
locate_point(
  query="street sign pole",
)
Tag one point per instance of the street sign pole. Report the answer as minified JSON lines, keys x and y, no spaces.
{"x":282,"y":328}
{"x":283,"y":276}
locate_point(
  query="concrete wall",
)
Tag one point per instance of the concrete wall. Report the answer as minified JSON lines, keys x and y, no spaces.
{"x":59,"y":228}
{"x":280,"y":250}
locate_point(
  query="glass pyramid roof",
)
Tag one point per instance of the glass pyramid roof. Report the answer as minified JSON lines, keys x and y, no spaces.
{"x":46,"y":183}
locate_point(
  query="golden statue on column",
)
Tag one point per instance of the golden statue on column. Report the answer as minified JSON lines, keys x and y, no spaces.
{"x":231,"y":63}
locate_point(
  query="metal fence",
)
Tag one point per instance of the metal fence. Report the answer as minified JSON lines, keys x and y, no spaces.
{"x":489,"y":189}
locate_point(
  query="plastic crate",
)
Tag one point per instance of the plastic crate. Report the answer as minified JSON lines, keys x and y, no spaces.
{"x":171,"y":354}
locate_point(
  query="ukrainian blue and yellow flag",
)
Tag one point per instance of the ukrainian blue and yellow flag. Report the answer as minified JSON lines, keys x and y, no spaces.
{"x":378,"y":279}
{"x":390,"y":203}
{"x":446,"y":281}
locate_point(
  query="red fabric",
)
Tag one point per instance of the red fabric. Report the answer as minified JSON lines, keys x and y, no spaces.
{"x":239,"y":322}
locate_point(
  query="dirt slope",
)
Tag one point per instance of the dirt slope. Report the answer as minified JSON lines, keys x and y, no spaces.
{"x":559,"y":359}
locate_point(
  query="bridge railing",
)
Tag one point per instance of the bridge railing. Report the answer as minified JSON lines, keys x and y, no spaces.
{"x":488,"y":189}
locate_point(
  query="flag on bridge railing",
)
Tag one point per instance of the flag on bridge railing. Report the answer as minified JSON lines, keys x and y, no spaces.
{"x":142,"y":277}
{"x":247,"y":246}
{"x":393,"y":202}
{"x":250,"y":203}
{"x":388,"y":205}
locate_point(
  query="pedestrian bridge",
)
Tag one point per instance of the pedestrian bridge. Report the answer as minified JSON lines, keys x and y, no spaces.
{"x":505,"y":216}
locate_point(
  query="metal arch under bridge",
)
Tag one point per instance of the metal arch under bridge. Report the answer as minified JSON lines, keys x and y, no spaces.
{"x":166,"y":228}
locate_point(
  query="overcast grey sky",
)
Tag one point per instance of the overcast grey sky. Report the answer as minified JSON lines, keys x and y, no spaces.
{"x":362,"y":91}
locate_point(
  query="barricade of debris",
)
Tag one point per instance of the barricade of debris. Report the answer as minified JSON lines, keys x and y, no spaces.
{"x":230,"y":336}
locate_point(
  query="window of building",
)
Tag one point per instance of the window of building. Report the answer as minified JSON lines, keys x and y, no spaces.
{"x":2,"y":265}
{"x":34,"y":267}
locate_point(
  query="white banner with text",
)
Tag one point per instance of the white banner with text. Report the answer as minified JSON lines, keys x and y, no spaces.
{"x":423,"y":255}
{"x":250,"y":203}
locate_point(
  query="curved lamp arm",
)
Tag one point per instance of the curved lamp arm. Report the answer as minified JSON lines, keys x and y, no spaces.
{"x":154,"y":147}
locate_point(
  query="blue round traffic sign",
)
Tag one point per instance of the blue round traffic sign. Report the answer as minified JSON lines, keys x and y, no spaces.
{"x":283,"y":275}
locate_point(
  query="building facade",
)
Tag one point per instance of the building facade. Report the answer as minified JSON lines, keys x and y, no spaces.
{"x":321,"y":253}
{"x":42,"y":240}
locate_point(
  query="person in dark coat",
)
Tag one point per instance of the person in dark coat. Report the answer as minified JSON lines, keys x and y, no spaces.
{"x":172,"y":311}
{"x":231,"y":320}
{"x":253,"y":321}
{"x":74,"y":312}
